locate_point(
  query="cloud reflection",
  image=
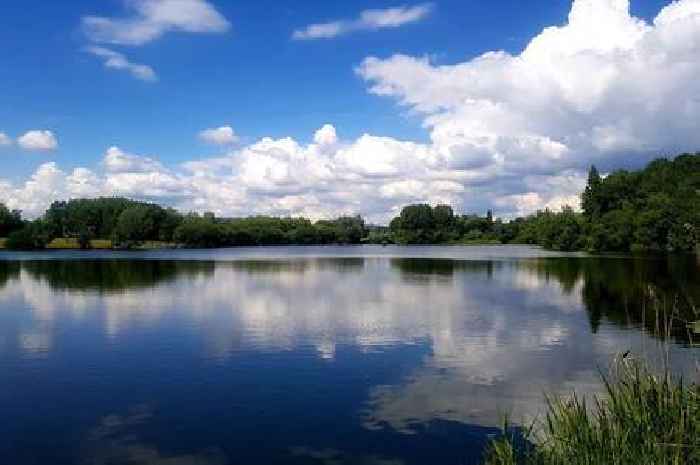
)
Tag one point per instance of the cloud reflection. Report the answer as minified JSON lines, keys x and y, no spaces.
{"x":497,"y":333}
{"x":115,"y":440}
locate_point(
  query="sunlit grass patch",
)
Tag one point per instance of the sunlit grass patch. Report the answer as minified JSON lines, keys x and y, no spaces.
{"x":74,"y":243}
{"x":3,"y":240}
{"x":642,"y":419}
{"x":101,"y":244}
{"x":63,"y":243}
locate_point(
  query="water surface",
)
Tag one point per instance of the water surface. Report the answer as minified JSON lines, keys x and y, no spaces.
{"x":313,"y":355}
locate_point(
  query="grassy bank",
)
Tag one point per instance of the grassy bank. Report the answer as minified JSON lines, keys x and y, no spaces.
{"x":642,"y":419}
{"x":69,"y":243}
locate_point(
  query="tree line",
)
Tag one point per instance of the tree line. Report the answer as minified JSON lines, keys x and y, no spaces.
{"x":127,"y":223}
{"x":653,"y":209}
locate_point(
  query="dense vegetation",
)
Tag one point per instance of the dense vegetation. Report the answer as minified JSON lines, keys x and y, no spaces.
{"x":121,"y":220}
{"x":10,"y":220}
{"x":207,"y":231}
{"x":642,"y":419}
{"x":655,"y":209}
{"x":127,"y":223}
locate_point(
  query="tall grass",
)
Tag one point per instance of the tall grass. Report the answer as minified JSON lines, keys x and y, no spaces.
{"x":643,"y":418}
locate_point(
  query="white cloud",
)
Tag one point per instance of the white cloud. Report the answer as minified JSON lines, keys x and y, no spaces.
{"x":326,"y":136}
{"x":115,"y":60}
{"x":42,"y":140}
{"x":371,"y":175}
{"x":606,"y":87}
{"x":368,"y":20}
{"x":152,"y":19}
{"x":48,"y":183}
{"x":225,"y":135}
{"x":5,"y":139}
{"x":140,"y":177}
{"x":83,"y":182}
{"x":512,"y":133}
{"x":117,"y":161}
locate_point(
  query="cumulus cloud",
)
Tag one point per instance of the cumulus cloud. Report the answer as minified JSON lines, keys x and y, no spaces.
{"x":119,"y":173}
{"x":151,"y":19}
{"x":117,"y":61}
{"x":48,"y":182}
{"x":606,"y":87}
{"x":326,"y":136}
{"x":511,"y":133}
{"x":5,"y":139}
{"x":369,"y":20}
{"x":325,"y":178}
{"x":38,"y":140}
{"x":117,"y":161}
{"x":140,"y":177}
{"x":225,"y":135}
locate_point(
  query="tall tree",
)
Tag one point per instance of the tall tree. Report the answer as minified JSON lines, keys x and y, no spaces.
{"x":590,"y":199}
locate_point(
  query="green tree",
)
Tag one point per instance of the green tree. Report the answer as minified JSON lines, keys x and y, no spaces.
{"x":590,"y":199}
{"x":199,"y":232}
{"x":31,"y":236}
{"x":10,"y":220}
{"x":136,"y":224}
{"x":415,"y":225}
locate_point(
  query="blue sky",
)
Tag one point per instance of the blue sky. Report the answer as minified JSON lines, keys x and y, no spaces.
{"x":253,"y":76}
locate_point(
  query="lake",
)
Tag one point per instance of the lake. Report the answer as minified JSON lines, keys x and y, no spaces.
{"x":314,"y":355}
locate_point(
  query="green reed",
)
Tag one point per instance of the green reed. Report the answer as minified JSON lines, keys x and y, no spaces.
{"x":643,"y":418}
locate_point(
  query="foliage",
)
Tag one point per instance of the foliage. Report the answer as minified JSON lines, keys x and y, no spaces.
{"x":655,"y":209}
{"x":198,"y":232}
{"x":642,"y":419}
{"x":378,"y":235}
{"x":31,"y":236}
{"x":423,"y":224}
{"x":124,"y":220}
{"x":10,"y":220}
{"x":557,"y":231}
{"x":208,"y":231}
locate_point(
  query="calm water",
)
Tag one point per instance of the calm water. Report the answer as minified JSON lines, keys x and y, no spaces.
{"x":318,"y":355}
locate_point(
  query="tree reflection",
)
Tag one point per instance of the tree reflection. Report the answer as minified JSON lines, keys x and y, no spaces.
{"x":8,"y":271}
{"x":650,"y":292}
{"x":113,"y":275}
{"x":646,"y":292}
{"x":413,"y":268}
{"x":340,"y":265}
